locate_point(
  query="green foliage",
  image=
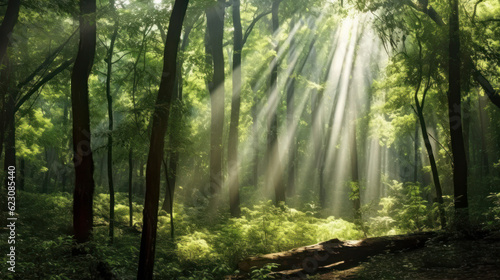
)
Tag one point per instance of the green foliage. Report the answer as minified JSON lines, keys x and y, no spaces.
{"x":403,"y":210}
{"x":493,"y":214}
{"x":263,"y":273}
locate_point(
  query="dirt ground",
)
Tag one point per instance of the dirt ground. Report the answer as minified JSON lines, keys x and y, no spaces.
{"x":450,"y":258}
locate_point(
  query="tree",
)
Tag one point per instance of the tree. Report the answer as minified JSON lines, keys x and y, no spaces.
{"x":7,"y":97}
{"x":83,"y":162}
{"x":455,"y":117}
{"x":215,"y":31}
{"x":419,"y":105}
{"x":159,"y":127}
{"x":234,"y":187}
{"x":109,"y":62}
{"x":274,"y":169}
{"x":8,"y":23}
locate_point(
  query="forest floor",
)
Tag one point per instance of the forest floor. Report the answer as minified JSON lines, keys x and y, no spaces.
{"x":454,"y":258}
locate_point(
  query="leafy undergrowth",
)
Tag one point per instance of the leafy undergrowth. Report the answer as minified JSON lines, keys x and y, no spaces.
{"x":200,"y":250}
{"x":206,"y":245}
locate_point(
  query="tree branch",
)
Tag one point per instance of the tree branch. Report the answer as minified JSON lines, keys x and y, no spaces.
{"x":48,"y":60}
{"x":47,"y":78}
{"x":251,"y":26}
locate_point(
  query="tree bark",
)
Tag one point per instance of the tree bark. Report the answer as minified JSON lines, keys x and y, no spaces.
{"x":159,"y":127}
{"x":310,"y":258}
{"x":455,"y":118}
{"x":8,"y":23}
{"x":84,"y":165}
{"x":356,"y":198}
{"x":274,"y":168}
{"x":290,"y":110}
{"x":215,"y":30}
{"x":130,"y":178}
{"x":109,"y":62}
{"x":232,"y":153}
{"x":420,"y":114}
{"x":174,"y":141}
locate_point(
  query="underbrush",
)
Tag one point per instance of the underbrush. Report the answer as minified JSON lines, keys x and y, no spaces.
{"x":200,"y":250}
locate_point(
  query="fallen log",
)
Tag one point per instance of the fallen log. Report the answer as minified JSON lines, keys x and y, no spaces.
{"x":309,"y":259}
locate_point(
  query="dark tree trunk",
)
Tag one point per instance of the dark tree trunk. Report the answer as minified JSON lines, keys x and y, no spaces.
{"x":290,"y":110}
{"x":130,"y":178}
{"x":8,"y":23}
{"x":416,"y":154}
{"x":84,"y":165}
{"x":159,"y":127}
{"x":310,"y":258}
{"x":109,"y":61}
{"x":232,"y":153}
{"x":274,"y":168}
{"x":432,"y":160}
{"x":170,"y":196}
{"x":174,"y":141}
{"x":255,"y":134}
{"x":420,"y":114}
{"x":455,"y":119}
{"x":215,"y":30}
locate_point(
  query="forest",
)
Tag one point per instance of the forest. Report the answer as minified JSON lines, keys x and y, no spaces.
{"x":250,"y":139}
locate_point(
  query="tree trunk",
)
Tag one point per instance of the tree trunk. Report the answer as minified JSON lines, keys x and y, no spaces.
{"x":155,"y":155}
{"x":84,"y":166}
{"x":290,"y":110}
{"x":416,"y":154}
{"x":174,"y":141}
{"x":356,"y":189}
{"x":232,"y":153}
{"x":455,"y":120}
{"x":420,"y":114}
{"x":274,"y":168}
{"x":310,"y":258}
{"x":109,"y":61}
{"x":8,"y":23}
{"x":215,"y":30}
{"x":432,"y":160}
{"x":130,"y":178}
{"x":170,"y":196}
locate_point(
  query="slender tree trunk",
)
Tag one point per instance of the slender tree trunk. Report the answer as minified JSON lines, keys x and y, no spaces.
{"x":274,"y":168}
{"x":159,"y":128}
{"x":455,"y":119}
{"x":109,"y":61}
{"x":255,"y":134}
{"x":170,"y":195}
{"x":432,"y":161}
{"x":234,"y":186}
{"x":416,"y":154}
{"x":174,"y":141}
{"x":215,"y":29}
{"x":130,"y":184}
{"x":84,"y":165}
{"x":290,"y":110}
